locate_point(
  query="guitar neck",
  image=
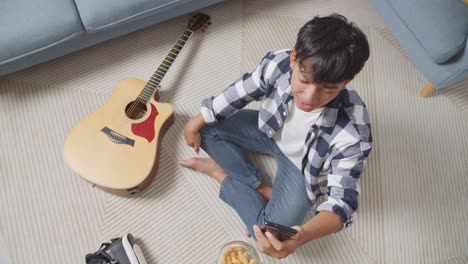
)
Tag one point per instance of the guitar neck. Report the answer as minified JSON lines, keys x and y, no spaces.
{"x":153,"y":84}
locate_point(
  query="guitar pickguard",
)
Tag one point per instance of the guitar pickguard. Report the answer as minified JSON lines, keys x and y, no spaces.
{"x":145,"y":129}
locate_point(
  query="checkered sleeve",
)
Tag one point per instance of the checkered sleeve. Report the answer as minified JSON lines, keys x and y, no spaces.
{"x":343,"y":185}
{"x":250,"y":87}
{"x":347,"y":163}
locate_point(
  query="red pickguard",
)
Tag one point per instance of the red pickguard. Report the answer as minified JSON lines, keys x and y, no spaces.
{"x":145,"y":129}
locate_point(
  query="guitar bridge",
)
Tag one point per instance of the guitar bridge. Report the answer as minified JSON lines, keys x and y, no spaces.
{"x":117,"y":138}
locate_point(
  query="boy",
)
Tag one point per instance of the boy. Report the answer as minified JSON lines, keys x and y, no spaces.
{"x":317,"y":128}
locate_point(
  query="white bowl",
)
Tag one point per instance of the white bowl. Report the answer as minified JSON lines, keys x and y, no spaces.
{"x":247,"y":248}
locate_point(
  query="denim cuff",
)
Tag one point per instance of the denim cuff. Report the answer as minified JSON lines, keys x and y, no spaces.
{"x":230,"y":188}
{"x":221,"y":188}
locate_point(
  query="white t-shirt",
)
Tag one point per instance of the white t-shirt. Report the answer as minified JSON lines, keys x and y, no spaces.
{"x":291,"y":137}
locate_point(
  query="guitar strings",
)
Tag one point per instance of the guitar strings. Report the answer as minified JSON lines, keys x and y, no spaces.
{"x":134,"y":104}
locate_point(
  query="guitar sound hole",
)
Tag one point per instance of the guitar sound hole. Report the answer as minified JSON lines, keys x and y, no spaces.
{"x":135,"y":110}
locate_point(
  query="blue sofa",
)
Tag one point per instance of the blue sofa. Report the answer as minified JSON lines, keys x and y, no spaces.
{"x":33,"y":32}
{"x":433,"y":34}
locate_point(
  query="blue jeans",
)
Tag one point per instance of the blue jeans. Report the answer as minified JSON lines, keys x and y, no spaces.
{"x":226,"y":142}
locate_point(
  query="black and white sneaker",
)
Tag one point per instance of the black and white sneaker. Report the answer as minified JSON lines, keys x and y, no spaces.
{"x":122,"y":250}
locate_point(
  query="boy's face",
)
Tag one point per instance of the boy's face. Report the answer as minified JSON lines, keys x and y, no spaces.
{"x":309,"y":95}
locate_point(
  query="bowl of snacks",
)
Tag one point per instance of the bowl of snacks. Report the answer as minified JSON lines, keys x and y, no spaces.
{"x":238,"y":252}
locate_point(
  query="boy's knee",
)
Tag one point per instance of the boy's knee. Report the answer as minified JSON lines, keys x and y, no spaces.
{"x":208,"y":135}
{"x":287,"y":220}
{"x":208,"y":131}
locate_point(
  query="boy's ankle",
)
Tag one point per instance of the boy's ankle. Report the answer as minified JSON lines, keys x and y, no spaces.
{"x":265,"y":191}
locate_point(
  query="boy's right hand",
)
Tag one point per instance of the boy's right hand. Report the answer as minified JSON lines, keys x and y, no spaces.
{"x":192,"y":132}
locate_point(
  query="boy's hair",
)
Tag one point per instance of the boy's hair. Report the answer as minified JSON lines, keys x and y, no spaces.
{"x":331,"y":49}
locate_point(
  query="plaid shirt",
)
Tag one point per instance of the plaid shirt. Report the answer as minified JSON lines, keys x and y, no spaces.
{"x":336,"y":147}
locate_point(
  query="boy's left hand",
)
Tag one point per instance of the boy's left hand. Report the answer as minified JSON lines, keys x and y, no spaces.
{"x":271,"y":246}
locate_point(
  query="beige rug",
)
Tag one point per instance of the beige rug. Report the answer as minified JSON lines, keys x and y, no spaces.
{"x":414,"y":202}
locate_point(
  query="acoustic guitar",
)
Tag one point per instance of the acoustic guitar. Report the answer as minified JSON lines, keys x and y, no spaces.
{"x":117,"y":147}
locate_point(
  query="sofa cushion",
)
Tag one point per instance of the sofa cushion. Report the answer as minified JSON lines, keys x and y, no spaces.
{"x":104,"y":14}
{"x":441,"y":27}
{"x":30,"y":26}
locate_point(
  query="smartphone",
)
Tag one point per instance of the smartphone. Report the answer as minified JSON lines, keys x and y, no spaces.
{"x":281,"y":232}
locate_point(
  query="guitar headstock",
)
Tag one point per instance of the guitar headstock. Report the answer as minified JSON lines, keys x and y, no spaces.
{"x":199,"y":22}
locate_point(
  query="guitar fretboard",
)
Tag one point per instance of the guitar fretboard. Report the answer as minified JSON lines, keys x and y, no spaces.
{"x":153,"y":84}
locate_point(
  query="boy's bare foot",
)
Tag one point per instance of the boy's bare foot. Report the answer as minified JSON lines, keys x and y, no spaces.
{"x":264,"y":191}
{"x":207,"y":166}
